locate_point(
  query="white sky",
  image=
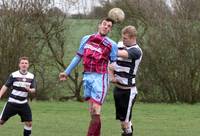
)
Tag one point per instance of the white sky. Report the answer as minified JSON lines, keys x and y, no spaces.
{"x":76,"y":6}
{"x":83,"y":6}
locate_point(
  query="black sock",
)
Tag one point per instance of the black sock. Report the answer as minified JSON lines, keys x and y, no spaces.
{"x":27,"y":132}
{"x":125,"y":134}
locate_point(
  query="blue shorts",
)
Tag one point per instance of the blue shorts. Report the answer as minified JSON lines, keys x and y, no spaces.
{"x":95,"y":87}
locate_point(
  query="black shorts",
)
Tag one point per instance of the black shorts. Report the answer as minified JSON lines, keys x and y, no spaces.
{"x":11,"y":109}
{"x":124,"y":101}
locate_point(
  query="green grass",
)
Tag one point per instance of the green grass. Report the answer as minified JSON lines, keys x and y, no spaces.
{"x":72,"y":118}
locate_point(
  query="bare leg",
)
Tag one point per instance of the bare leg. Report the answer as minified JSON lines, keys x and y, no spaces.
{"x":27,"y":128}
{"x":127,"y":128}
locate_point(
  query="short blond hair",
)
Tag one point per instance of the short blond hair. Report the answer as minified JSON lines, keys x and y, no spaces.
{"x":23,"y":58}
{"x":130,"y":30}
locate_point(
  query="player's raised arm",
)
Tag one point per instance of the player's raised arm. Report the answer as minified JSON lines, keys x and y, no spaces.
{"x":75,"y":61}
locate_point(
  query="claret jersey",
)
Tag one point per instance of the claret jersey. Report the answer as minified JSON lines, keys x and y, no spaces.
{"x":97,"y":51}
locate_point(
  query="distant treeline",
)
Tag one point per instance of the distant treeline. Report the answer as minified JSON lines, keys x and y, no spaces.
{"x":168,"y":35}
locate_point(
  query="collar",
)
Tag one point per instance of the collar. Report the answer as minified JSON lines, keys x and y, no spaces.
{"x":23,"y":73}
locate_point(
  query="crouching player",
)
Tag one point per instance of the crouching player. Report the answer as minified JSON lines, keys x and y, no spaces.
{"x":22,"y":83}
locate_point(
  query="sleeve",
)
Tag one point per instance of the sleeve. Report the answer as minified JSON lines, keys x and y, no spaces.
{"x":33,"y":83}
{"x":82,"y":44}
{"x":75,"y":61}
{"x":113,"y":54}
{"x":134,"y":53}
{"x":9,"y":81}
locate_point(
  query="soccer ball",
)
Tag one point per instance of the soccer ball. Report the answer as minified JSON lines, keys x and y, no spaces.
{"x":116,"y":14}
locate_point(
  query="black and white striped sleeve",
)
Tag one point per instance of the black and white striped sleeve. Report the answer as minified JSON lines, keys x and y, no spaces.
{"x":33,"y":83}
{"x":134,"y":53}
{"x":9,"y":81}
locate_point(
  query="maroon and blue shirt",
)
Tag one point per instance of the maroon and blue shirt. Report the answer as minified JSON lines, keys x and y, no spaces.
{"x":96,"y":51}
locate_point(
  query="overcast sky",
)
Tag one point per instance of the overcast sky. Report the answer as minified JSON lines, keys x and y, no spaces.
{"x":82,"y":6}
{"x":76,"y":6}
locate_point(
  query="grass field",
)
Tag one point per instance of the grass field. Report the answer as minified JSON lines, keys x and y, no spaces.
{"x":71,"y":119}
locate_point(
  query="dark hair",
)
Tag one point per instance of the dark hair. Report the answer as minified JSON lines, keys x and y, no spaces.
{"x":107,"y":19}
{"x":23,"y":58}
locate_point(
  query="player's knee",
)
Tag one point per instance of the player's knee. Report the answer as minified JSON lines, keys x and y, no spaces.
{"x":95,"y":109}
{"x":28,"y":124}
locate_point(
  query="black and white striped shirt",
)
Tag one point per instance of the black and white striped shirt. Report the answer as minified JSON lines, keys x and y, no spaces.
{"x":125,"y":69}
{"x":18,"y":81}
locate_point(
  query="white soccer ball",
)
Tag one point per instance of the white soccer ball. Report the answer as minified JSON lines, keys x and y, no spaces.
{"x":116,"y":14}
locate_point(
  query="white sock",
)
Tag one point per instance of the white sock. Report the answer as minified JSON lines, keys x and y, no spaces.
{"x":27,"y":127}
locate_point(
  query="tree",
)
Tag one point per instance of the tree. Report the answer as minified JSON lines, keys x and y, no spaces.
{"x":171,"y":52}
{"x":168,"y":36}
{"x":15,"y":39}
{"x":27,"y":29}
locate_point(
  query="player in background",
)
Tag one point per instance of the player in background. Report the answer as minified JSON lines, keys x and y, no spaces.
{"x":22,"y":82}
{"x":123,"y":73}
{"x":96,"y":50}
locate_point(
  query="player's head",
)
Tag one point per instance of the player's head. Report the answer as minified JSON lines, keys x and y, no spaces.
{"x":129,"y":34}
{"x":105,"y":26}
{"x":23,"y":64}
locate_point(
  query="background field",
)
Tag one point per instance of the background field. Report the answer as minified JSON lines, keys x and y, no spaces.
{"x":71,"y":119}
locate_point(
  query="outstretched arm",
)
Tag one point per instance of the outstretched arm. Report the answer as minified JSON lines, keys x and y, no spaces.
{"x":75,"y":61}
{"x":3,"y":90}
